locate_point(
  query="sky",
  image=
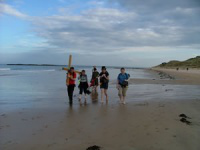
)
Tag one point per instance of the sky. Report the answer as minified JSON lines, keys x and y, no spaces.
{"x":133,"y":33}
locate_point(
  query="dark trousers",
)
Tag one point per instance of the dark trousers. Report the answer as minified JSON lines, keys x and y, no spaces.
{"x":83,"y":87}
{"x":70,"y":90}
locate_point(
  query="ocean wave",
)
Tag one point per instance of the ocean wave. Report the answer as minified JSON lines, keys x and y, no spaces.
{"x":5,"y":69}
{"x":38,"y":70}
{"x":48,"y":70}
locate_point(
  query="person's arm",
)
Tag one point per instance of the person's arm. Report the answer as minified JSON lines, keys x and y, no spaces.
{"x":118,"y":79}
{"x":86,"y":79}
{"x":66,"y":78}
{"x":100,"y":75}
{"x":97,"y":75}
{"x":79,"y":77}
{"x":128,"y":77}
{"x":107,"y":77}
{"x":117,"y":85}
{"x":73,"y":77}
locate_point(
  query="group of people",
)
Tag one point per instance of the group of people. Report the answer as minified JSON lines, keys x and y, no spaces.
{"x":98,"y":79}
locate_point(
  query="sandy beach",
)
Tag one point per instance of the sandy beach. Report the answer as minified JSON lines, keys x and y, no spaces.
{"x":149,"y":121}
{"x":163,"y":76}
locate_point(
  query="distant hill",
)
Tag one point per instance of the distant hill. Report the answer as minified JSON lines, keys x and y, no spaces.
{"x":190,"y":63}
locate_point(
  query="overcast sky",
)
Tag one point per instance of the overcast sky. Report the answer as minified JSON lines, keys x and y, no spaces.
{"x":137,"y":33}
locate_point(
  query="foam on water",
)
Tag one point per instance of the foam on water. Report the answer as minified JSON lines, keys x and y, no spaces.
{"x":38,"y":70}
{"x":5,"y":69}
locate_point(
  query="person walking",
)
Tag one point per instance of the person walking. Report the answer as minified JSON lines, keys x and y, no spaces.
{"x":122,"y":85}
{"x":104,"y":79}
{"x":94,"y":79}
{"x":70,"y":82}
{"x":83,"y":86}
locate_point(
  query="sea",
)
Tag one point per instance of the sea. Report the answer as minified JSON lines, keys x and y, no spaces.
{"x":23,"y":86}
{"x":37,"y":69}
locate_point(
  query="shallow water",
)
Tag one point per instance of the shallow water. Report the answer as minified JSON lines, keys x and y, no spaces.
{"x":44,"y":87}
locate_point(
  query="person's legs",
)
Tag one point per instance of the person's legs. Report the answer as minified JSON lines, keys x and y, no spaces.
{"x":120,"y":94}
{"x":70,"y":93}
{"x":96,"y":85}
{"x":95,"y":89}
{"x":105,"y":91}
{"x":102,"y":95}
{"x":106,"y":94}
{"x":85,"y":91}
{"x":80,"y":93}
{"x":124,"y":90}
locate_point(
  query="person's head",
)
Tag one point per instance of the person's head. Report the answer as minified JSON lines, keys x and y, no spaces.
{"x":83,"y":72}
{"x":122,"y":70}
{"x":95,"y":69}
{"x":103,"y":69}
{"x":71,"y":69}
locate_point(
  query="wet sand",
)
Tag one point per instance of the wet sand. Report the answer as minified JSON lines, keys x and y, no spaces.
{"x":149,"y":121}
{"x":146,"y":125}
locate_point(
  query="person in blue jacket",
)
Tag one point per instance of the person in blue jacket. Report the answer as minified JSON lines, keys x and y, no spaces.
{"x":122,"y":85}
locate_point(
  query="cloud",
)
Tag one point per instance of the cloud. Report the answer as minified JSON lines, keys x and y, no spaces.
{"x":95,"y":30}
{"x":120,"y":28}
{"x":107,"y":30}
{"x":9,"y":10}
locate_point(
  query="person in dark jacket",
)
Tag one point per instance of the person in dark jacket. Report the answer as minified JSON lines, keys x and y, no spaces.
{"x":104,"y":79}
{"x":95,"y":80}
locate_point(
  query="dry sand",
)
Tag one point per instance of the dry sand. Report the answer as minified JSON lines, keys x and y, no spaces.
{"x":181,"y":77}
{"x":139,"y":125}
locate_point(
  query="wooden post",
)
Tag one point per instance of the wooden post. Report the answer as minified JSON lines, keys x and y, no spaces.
{"x":67,"y":69}
{"x":69,"y":65}
{"x":70,"y":61}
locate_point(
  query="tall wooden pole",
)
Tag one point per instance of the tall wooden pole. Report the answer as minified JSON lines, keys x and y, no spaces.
{"x":69,"y":65}
{"x":70,"y":61}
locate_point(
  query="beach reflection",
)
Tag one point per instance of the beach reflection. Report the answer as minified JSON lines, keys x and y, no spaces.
{"x":94,"y":97}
